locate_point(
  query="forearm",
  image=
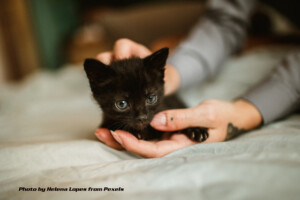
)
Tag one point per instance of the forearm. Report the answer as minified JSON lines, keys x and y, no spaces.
{"x":220,"y":32}
{"x":279,"y":95}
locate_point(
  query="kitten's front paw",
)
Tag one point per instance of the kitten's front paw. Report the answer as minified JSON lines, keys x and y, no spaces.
{"x":198,"y":134}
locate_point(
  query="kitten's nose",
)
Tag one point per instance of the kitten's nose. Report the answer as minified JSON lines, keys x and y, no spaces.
{"x":141,"y":122}
{"x":142,"y":117}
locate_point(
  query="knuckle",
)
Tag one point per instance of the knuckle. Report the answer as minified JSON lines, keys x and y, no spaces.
{"x":122,"y":41}
{"x":211,"y":113}
{"x":106,"y":59}
{"x":101,"y":56}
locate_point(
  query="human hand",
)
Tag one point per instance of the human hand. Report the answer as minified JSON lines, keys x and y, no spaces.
{"x":224,"y":120}
{"x":120,"y":140}
{"x":125,"y":48}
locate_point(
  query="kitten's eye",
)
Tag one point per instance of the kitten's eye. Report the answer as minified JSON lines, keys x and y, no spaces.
{"x":152,"y":99}
{"x":122,"y":105}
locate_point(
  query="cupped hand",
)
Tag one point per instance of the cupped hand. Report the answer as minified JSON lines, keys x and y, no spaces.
{"x":149,"y":149}
{"x":223,"y":120}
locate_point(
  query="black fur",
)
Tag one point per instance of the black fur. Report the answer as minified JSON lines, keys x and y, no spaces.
{"x":135,"y":81}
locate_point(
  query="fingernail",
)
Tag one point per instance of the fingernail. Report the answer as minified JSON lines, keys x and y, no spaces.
{"x":115,"y":135}
{"x":159,"y":120}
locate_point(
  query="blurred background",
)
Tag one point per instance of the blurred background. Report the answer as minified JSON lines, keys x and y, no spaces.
{"x":47,"y":34}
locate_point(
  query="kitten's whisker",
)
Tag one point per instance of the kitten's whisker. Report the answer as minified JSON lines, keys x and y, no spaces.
{"x":116,"y":125}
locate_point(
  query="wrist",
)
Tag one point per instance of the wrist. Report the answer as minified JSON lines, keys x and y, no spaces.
{"x":247,"y":115}
{"x":172,"y":79}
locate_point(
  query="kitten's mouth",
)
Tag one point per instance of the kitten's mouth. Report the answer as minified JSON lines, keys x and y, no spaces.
{"x":140,"y":125}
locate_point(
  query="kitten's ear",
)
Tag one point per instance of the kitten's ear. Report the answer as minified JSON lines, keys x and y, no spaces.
{"x":157,"y":60}
{"x":97,"y":71}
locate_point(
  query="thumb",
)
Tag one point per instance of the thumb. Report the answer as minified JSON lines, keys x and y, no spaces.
{"x":172,"y":120}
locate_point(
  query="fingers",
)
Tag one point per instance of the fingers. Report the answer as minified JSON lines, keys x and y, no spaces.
{"x":177,"y":119}
{"x":172,"y":79}
{"x":105,"y":136}
{"x":152,"y":149}
{"x":132,"y":144}
{"x":105,"y":57}
{"x":172,"y":120}
{"x":125,"y":48}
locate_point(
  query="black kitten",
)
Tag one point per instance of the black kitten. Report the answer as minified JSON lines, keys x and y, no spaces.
{"x":131,"y":91}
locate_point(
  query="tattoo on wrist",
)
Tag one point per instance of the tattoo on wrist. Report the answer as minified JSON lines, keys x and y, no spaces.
{"x":233,"y":131}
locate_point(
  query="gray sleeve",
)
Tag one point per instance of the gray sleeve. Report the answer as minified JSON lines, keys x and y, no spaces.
{"x":279,"y":95}
{"x":220,"y":32}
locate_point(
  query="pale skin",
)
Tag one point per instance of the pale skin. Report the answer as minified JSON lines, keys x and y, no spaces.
{"x":224,"y":120}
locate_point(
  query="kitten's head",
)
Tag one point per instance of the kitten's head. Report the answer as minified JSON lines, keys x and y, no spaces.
{"x":130,"y":90}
